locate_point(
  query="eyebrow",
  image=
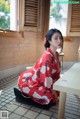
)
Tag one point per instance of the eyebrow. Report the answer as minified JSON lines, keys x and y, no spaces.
{"x":56,"y":36}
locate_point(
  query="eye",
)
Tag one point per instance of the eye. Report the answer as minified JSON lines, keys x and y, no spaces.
{"x":56,"y":38}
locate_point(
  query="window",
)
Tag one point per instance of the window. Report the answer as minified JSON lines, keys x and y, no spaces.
{"x":58,"y":16}
{"x":9,"y":15}
{"x":4,"y":15}
{"x":12,"y":12}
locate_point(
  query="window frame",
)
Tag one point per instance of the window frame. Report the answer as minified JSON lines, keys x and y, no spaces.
{"x":19,"y":22}
{"x":41,"y":21}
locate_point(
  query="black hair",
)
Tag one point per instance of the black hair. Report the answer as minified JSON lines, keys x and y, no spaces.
{"x":49,"y":35}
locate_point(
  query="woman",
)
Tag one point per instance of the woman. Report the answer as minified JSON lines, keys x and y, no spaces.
{"x":37,"y":82}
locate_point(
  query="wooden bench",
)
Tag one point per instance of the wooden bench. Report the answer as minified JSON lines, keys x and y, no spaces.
{"x":68,"y":83}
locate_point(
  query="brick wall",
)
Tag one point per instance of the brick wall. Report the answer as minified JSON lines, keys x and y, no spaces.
{"x":71,"y":49}
{"x":16,"y":52}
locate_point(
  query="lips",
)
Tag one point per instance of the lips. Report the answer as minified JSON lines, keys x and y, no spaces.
{"x":59,"y":45}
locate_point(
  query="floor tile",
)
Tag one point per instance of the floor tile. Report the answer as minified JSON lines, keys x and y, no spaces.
{"x":42,"y":116}
{"x":14,"y":116}
{"x":21,"y":110}
{"x":31,"y":114}
{"x":18,"y":110}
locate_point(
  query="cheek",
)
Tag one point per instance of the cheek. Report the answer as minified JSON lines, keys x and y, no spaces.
{"x":61,"y":43}
{"x":54,"y":41}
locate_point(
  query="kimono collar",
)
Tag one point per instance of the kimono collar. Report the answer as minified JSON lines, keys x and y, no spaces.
{"x":50,"y":51}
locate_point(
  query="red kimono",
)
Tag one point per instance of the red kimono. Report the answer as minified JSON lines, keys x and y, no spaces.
{"x":38,"y":81}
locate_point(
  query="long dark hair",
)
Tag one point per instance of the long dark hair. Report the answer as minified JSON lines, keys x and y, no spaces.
{"x":49,"y":35}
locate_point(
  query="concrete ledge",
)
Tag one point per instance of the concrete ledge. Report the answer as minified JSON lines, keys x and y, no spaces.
{"x":18,"y":69}
{"x":11,"y":71}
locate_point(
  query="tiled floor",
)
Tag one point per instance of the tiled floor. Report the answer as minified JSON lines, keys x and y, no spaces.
{"x":18,"y":110}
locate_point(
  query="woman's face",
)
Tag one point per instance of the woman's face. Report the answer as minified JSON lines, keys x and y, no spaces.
{"x":56,"y":40}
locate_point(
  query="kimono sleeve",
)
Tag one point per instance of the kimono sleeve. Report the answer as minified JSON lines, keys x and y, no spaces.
{"x":46,"y":71}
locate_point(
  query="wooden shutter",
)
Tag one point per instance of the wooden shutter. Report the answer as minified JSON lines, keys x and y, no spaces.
{"x":75,"y":18}
{"x":31,"y":13}
{"x":73,"y":24}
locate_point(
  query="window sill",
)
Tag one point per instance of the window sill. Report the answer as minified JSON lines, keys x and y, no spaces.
{"x":9,"y":33}
{"x":67,"y":38}
{"x":31,"y":29}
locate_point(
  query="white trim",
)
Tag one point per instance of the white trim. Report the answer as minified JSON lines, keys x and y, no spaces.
{"x":17,"y":15}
